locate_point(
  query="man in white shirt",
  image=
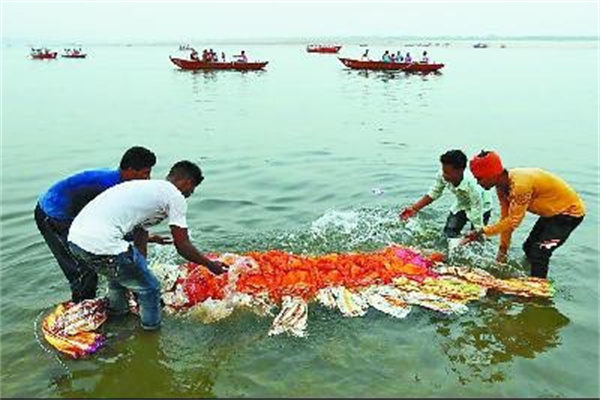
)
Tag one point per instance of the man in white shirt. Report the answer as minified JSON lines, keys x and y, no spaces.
{"x":472,"y":202}
{"x":98,"y":236}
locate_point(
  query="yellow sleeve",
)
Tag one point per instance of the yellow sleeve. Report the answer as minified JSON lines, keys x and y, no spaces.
{"x":507,"y":235}
{"x":516,"y":206}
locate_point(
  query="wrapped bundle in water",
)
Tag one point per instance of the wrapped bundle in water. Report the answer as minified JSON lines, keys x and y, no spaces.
{"x":391,"y":280}
{"x":69,"y":327}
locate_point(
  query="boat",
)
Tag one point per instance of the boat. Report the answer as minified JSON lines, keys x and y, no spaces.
{"x":69,"y":55}
{"x":196,"y":65}
{"x":317,"y":48}
{"x":45,"y":55}
{"x":480,"y":46}
{"x":390,"y":66}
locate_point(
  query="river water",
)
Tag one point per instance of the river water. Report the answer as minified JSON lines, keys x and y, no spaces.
{"x":310,"y":157}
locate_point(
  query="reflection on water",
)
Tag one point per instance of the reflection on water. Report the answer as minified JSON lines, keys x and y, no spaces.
{"x":498,"y":331}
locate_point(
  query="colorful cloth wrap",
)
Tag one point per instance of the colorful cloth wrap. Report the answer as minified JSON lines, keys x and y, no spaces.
{"x":486,"y":166}
{"x":391,"y":280}
{"x":69,"y":327}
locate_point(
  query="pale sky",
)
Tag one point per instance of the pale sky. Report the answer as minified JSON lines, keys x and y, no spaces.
{"x":108,"y":21}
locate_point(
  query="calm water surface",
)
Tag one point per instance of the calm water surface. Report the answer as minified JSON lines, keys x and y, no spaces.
{"x":308,"y":157}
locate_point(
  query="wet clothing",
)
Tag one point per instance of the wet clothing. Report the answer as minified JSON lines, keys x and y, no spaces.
{"x":471,"y":199}
{"x":53,"y":215}
{"x":547,"y":235}
{"x":82,"y":279}
{"x":456,"y":222}
{"x":540,"y":192}
{"x":127,"y":271}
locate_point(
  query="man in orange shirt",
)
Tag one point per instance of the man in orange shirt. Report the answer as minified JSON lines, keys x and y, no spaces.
{"x":520,"y":190}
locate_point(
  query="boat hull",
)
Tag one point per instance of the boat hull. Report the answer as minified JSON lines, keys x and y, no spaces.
{"x":196,"y":65}
{"x":328,"y":50}
{"x":49,"y":56}
{"x":390,"y":66}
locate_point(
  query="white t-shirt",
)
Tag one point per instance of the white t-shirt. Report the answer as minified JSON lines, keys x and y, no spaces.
{"x":102,"y":224}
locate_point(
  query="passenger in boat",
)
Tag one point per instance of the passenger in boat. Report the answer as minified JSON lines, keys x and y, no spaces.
{"x":194,"y":55}
{"x":242,"y":57}
{"x":97,"y":236}
{"x":559,"y":207}
{"x":399,"y":57}
{"x":365,"y":56}
{"x":223,"y":59}
{"x":59,"y":205}
{"x":471,"y":204}
{"x":425,"y":58}
{"x":393,"y":57}
{"x":205,"y":55}
{"x":408,"y":58}
{"x":386,"y":57}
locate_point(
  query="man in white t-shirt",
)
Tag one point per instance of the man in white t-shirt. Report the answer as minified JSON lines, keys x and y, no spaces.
{"x":98,"y":236}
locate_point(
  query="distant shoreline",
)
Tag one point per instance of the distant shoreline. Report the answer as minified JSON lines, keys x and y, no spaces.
{"x":347,"y":40}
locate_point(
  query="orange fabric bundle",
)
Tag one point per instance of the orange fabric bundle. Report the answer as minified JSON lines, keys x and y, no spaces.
{"x":281,"y":273}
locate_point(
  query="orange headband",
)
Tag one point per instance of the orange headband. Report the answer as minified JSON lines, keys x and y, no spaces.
{"x":486,"y":166}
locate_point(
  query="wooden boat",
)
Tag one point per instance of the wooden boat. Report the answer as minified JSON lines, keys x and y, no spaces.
{"x":390,"y":66}
{"x":195,"y":65}
{"x":44,"y":56}
{"x":423,"y":68}
{"x":315,"y":48}
{"x":81,"y":55}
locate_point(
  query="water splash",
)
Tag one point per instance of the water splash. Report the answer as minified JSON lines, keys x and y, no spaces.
{"x":355,"y":230}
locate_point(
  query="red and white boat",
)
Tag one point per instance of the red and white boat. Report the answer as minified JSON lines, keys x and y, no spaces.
{"x":317,"y":48}
{"x":43,"y":55}
{"x":390,"y":66}
{"x":196,"y":65}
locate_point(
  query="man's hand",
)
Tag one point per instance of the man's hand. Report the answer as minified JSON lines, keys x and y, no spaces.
{"x":217,"y":267}
{"x":501,"y":257}
{"x":472,"y":236}
{"x":407,"y":213}
{"x":160,"y":239}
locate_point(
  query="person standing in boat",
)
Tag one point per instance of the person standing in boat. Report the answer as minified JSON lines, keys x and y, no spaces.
{"x":472,"y":203}
{"x":98,"y":236}
{"x":59,"y":205}
{"x":560,"y":209}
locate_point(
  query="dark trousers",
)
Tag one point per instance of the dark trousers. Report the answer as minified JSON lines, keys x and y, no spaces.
{"x":82,"y":279}
{"x":547,"y":235}
{"x":455,"y":223}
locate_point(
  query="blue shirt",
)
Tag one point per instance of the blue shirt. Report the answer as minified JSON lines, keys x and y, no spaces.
{"x":67,"y":197}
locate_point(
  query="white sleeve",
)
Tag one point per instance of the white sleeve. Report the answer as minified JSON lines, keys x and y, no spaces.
{"x":177,"y":211}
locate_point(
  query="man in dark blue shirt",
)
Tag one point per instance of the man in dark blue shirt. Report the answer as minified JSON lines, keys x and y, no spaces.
{"x":58,"y":206}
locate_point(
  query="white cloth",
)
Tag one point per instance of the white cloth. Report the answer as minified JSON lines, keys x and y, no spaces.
{"x":101,"y":226}
{"x":470,"y":197}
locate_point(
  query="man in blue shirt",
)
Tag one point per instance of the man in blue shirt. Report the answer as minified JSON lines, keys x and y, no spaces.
{"x":58,"y":206}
